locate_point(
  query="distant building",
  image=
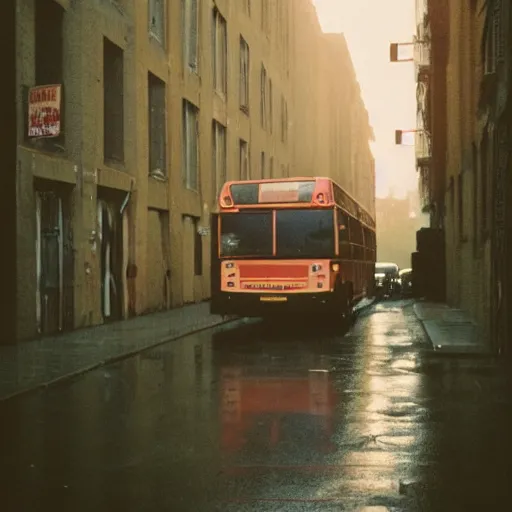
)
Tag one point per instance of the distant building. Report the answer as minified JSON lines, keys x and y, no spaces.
{"x":463,"y":72}
{"x":397,"y":223}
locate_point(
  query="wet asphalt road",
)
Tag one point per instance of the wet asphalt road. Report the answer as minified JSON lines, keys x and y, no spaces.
{"x":261,"y":418}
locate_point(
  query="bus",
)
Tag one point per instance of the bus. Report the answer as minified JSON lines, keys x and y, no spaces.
{"x":290,"y":245}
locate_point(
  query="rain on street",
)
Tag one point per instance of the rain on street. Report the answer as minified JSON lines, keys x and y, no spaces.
{"x":260,"y":417}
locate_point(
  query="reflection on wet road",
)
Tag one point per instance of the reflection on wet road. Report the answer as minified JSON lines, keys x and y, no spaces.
{"x":263,"y":418}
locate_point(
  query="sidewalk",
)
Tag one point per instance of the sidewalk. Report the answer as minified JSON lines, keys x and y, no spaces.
{"x":33,"y":364}
{"x":451,"y":331}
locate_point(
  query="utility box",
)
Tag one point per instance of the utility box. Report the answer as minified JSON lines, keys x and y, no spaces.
{"x":429,"y":265}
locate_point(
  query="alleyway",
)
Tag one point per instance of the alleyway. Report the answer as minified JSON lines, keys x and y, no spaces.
{"x":251,"y":418}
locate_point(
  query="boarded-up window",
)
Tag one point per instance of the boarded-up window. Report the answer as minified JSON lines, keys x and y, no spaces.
{"x":263,"y":97}
{"x":191,"y":33}
{"x":284,"y":121}
{"x":244,"y":160}
{"x":265,"y":16}
{"x":218,"y":157}
{"x":220,"y":53}
{"x":157,"y":125}
{"x":49,"y":61}
{"x":190,"y":145}
{"x":157,"y":19}
{"x":270,"y":106}
{"x":113,"y":102}
{"x":244,"y":75}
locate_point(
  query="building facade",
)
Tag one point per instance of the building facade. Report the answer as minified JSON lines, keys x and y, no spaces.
{"x":467,"y":106}
{"x":151,"y":105}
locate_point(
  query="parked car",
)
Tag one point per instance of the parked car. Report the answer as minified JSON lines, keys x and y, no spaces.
{"x":387,"y":279}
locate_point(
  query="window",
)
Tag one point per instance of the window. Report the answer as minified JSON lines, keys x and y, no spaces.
{"x":265,"y":20}
{"x":156,"y":20}
{"x":262,"y":166}
{"x":49,"y":63}
{"x":244,"y":160}
{"x":263,"y":97}
{"x":113,"y":102}
{"x":305,"y":233}
{"x":244,"y":75}
{"x":484,"y":186}
{"x":157,"y":125}
{"x":191,"y":34}
{"x":220,"y":49}
{"x":219,"y":157}
{"x":285,"y":35}
{"x":460,"y":204}
{"x":49,"y":45}
{"x":284,"y":121}
{"x":343,"y":238}
{"x":190,"y":145}
{"x":246,"y":234}
{"x":198,"y":249}
{"x":270,"y":106}
{"x":474,"y":176}
{"x":494,"y":49}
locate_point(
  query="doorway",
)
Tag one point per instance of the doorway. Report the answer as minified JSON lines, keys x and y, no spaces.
{"x":54,"y":258}
{"x":110,"y":232}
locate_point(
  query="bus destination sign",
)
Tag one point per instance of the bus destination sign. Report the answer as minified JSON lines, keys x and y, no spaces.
{"x":273,"y":193}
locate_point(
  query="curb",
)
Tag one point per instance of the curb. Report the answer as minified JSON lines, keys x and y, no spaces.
{"x":471,"y":351}
{"x":114,"y":359}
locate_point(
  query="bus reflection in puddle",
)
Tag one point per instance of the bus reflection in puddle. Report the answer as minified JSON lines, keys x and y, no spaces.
{"x":270,"y":420}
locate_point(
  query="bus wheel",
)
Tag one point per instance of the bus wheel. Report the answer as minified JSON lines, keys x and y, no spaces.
{"x":342,"y":314}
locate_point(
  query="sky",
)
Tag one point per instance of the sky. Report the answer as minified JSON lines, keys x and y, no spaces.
{"x":389,"y":89}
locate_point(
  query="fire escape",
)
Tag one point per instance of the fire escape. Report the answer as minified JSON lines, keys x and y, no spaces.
{"x":423,"y":137}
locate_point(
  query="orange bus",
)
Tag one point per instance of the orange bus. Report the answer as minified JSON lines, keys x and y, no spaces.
{"x":290,"y":245}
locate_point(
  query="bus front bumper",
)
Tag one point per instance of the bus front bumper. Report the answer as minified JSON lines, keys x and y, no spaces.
{"x":261,"y":305}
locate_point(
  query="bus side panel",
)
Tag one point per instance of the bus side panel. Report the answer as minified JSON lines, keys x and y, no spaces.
{"x":215,"y":266}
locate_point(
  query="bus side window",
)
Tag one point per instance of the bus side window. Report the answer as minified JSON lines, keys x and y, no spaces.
{"x":343,"y":227}
{"x":344,"y":235}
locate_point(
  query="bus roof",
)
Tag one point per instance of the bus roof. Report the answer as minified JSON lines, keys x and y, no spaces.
{"x":250,"y":194}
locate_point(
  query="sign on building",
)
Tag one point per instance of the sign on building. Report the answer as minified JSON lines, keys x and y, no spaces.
{"x":44,"y":109}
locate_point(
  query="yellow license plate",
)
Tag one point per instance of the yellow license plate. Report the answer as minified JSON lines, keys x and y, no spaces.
{"x":273,"y":299}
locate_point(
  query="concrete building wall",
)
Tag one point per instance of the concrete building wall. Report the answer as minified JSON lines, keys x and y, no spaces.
{"x":102,"y":192}
{"x":467,"y":243}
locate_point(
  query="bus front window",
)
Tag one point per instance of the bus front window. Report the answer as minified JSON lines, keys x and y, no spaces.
{"x":246,"y":234}
{"x":305,"y":233}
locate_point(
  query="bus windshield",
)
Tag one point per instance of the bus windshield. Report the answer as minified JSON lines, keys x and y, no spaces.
{"x":305,"y":233}
{"x":246,"y":234}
